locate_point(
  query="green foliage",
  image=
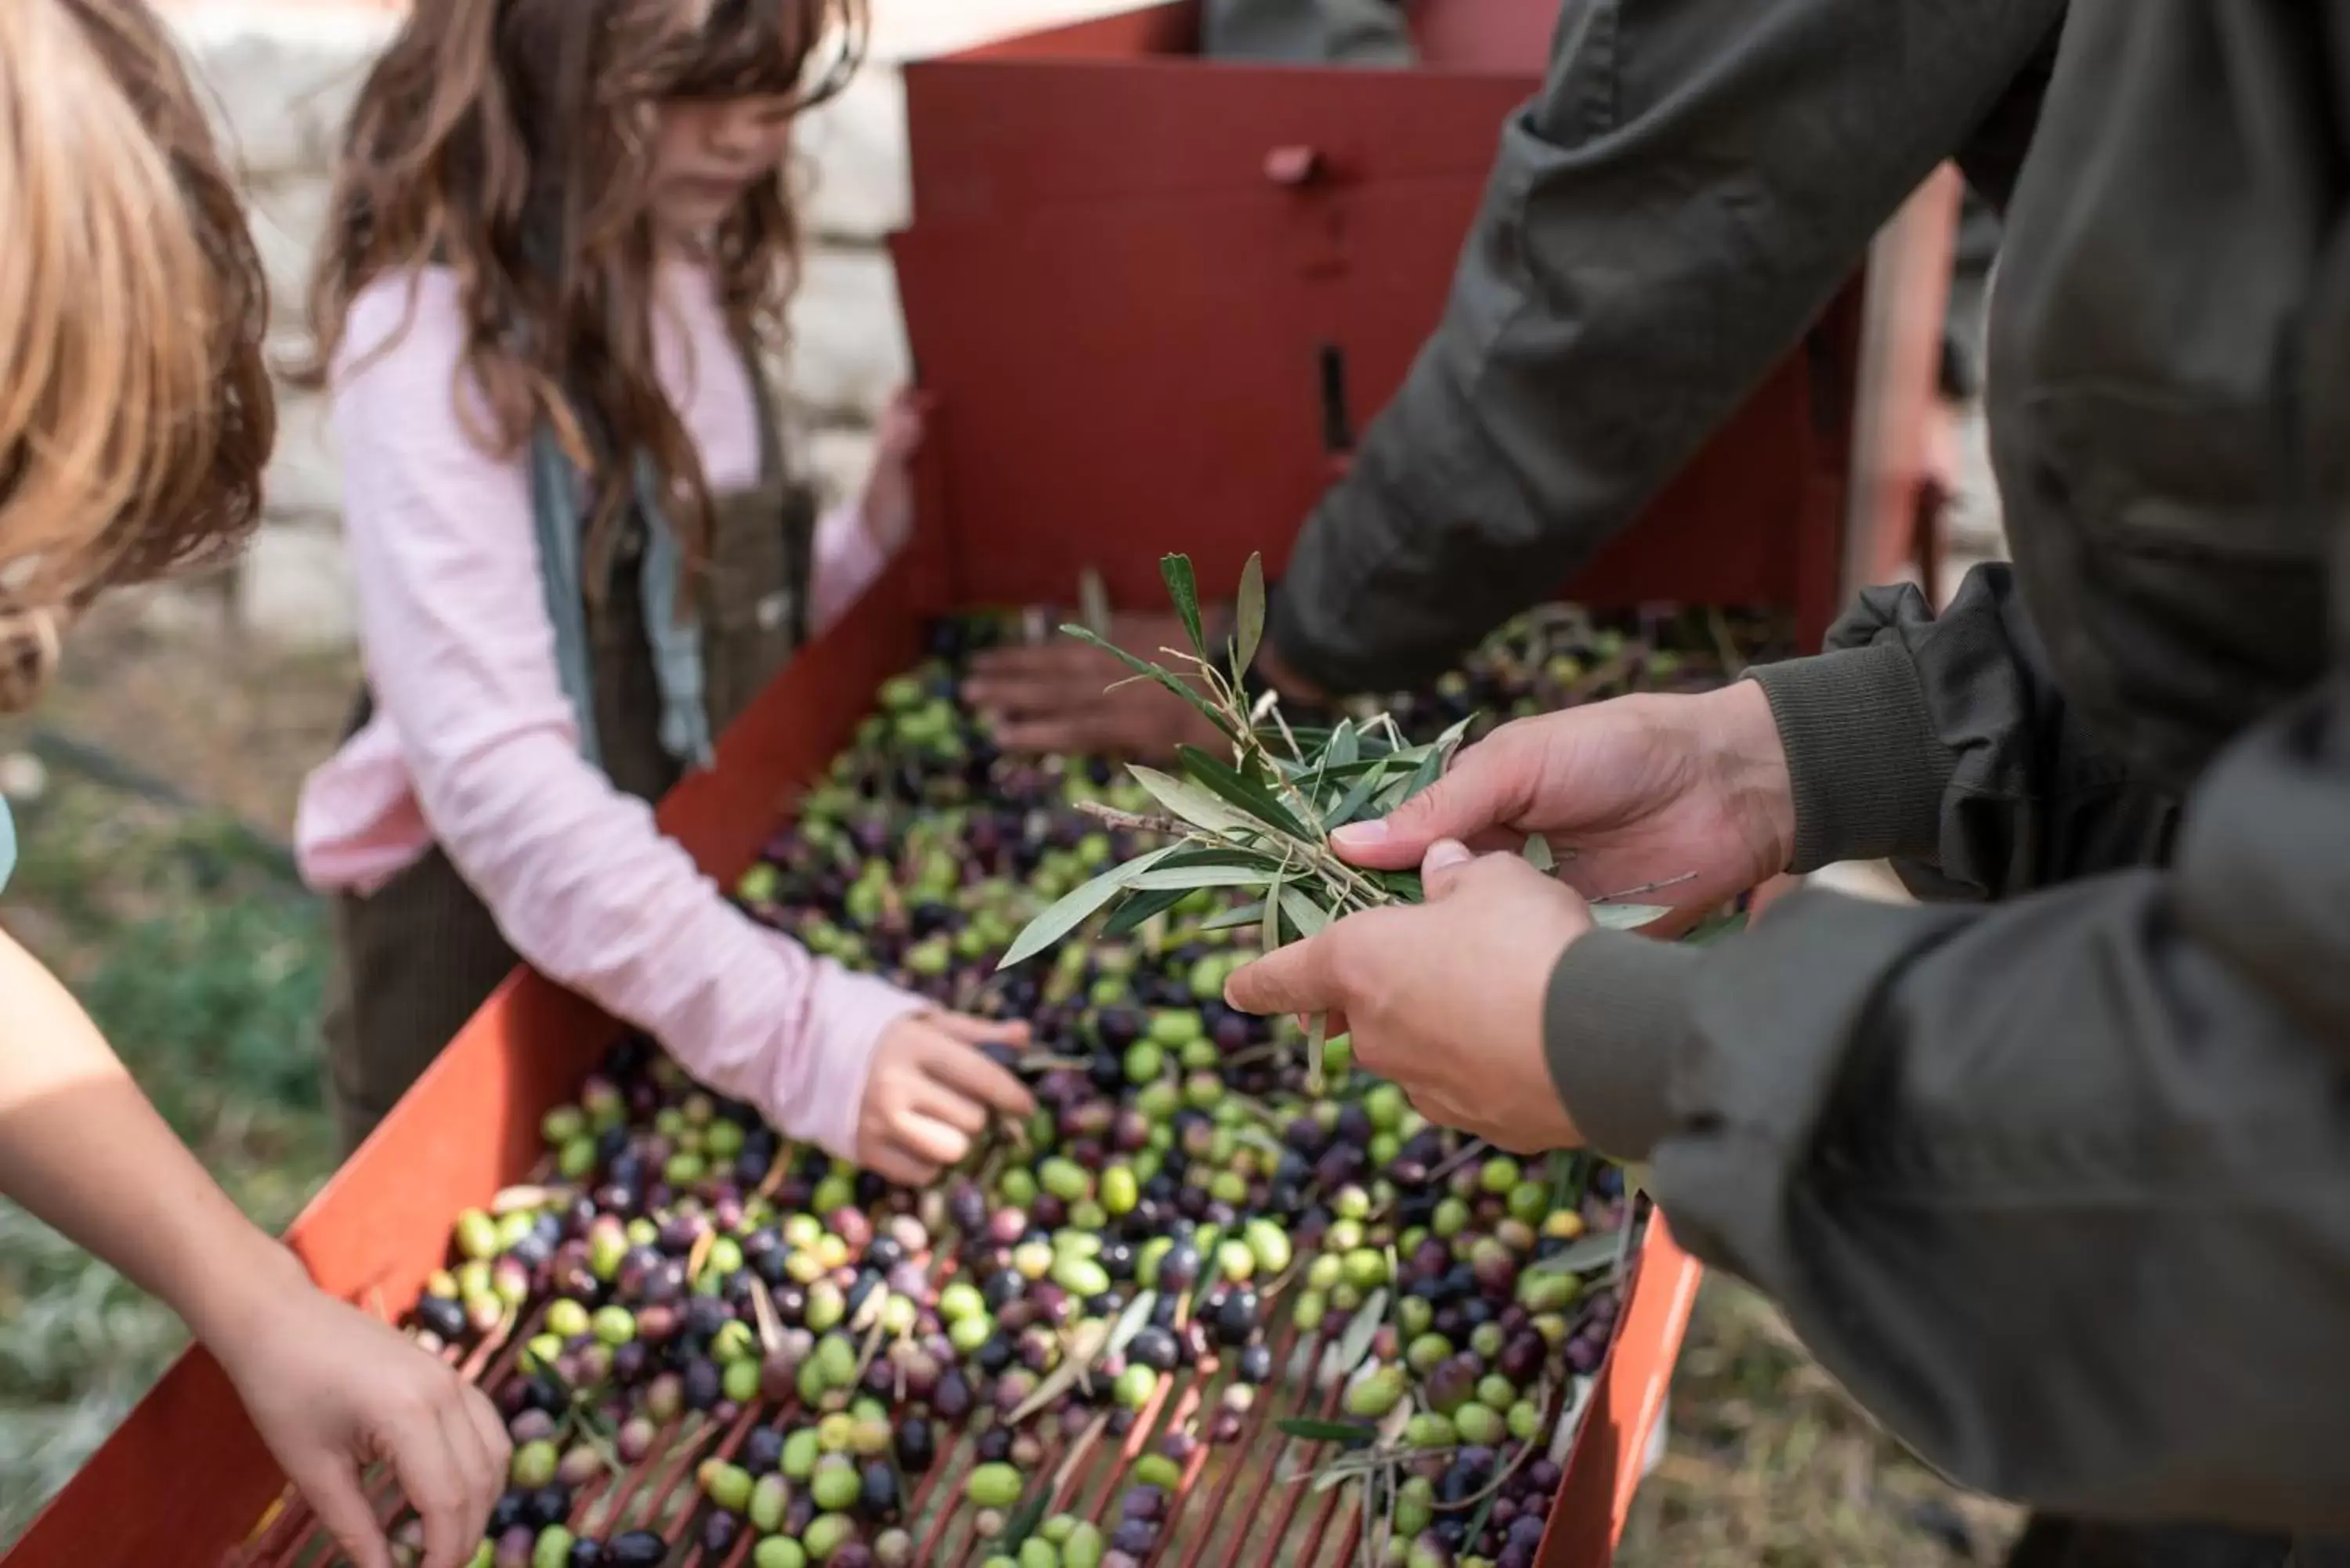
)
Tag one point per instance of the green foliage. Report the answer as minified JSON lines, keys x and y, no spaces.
{"x":204,"y":969}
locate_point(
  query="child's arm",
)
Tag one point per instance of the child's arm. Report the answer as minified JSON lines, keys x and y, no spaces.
{"x":856,"y":540}
{"x":579,"y":878}
{"x":331,"y":1390}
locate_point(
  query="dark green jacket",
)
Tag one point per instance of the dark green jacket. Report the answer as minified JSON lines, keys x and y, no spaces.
{"x":1307,"y":32}
{"x":2055,"y":1172}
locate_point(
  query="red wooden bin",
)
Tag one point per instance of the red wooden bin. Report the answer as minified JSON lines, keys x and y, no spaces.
{"x":1126,"y":276}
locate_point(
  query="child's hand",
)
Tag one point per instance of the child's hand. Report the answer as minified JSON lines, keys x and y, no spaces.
{"x":887,"y":509}
{"x":930,"y":1092}
{"x":332,"y":1391}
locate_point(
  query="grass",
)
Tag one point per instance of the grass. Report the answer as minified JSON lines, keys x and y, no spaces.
{"x":204,"y":969}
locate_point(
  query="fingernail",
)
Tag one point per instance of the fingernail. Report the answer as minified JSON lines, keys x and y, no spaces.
{"x":1363,"y":835}
{"x":1444,"y":854}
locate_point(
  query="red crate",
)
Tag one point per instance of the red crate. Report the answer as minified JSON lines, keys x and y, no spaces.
{"x":1119,"y":292}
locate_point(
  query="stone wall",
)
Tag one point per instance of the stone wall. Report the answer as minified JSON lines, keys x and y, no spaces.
{"x":282,"y":73}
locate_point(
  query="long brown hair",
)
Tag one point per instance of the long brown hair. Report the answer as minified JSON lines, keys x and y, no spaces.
{"x":136,"y":414}
{"x":512,"y":141}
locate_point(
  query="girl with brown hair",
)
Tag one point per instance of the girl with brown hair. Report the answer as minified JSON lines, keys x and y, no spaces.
{"x":135,"y":418}
{"x":561,"y":243}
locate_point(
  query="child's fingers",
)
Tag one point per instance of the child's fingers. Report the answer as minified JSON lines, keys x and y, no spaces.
{"x":495,"y":1440}
{"x":929,"y":1140}
{"x":332,"y":1485}
{"x":484,"y":1476}
{"x":893,"y":1164}
{"x":974,"y":1031}
{"x":970,"y":1074}
{"x":434,"y":1484}
{"x":939,"y":1103}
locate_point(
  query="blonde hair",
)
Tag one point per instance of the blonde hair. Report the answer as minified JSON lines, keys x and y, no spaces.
{"x":135,"y":407}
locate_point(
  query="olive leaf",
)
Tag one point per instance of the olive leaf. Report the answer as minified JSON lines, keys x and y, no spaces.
{"x":1191,"y":878}
{"x":1627,"y":917}
{"x":1239,"y":790}
{"x":1184,"y":589}
{"x":1022,"y":1523}
{"x":1269,"y":927}
{"x":1303,"y":912}
{"x":1182,"y":687}
{"x":1578,"y":1257}
{"x":1538,"y":854}
{"x":1248,"y":623}
{"x":1191,"y":802}
{"x":1307,"y":1430}
{"x":1141,"y":910}
{"x":1071,"y":910}
{"x":1360,"y":1331}
{"x":1239,"y":917}
{"x":1131,"y":1322}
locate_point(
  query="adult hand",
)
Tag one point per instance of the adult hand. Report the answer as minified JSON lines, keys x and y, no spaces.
{"x":1063,"y":696}
{"x":1443,"y":998}
{"x":333,"y":1391}
{"x":1638,"y":791}
{"x":930,"y":1092}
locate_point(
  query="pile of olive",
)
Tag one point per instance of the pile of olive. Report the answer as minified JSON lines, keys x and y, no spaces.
{"x":1177,"y":1206}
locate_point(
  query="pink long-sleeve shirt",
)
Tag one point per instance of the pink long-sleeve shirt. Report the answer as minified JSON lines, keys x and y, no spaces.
{"x":474,"y":746}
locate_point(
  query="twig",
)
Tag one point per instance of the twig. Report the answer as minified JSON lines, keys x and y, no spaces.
{"x":1112,"y":817}
{"x":1646,"y":888}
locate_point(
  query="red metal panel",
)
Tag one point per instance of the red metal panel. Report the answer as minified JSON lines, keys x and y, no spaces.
{"x":1109,"y":375}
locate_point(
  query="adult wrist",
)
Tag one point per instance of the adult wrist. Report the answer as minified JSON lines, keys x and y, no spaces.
{"x":1747,"y":759}
{"x":1866,"y":769}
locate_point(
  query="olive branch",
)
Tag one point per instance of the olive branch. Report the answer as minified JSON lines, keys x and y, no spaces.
{"x":1261,"y":822}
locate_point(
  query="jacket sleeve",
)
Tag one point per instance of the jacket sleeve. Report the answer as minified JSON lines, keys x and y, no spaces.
{"x":2059,"y":1188}
{"x":1942,"y":743}
{"x":1660,"y":229}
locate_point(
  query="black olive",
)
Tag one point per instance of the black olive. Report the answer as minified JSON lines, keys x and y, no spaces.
{"x":702,"y":1385}
{"x":1154,"y":1348}
{"x":705,"y":1315}
{"x":762,"y":1451}
{"x":917,"y":1451}
{"x":1107,"y":1073}
{"x":550,"y":1504}
{"x":636,"y":1549}
{"x":995,"y":1445}
{"x":864,"y":1285}
{"x":884,"y":1253}
{"x":585,"y":1553}
{"x":442,"y":1316}
{"x":505,"y":1513}
{"x":1002,"y":1287}
{"x":543,"y":1392}
{"x":994,"y":1355}
{"x":1116,"y":1260}
{"x":1236,"y":1316}
{"x":1255,"y":1365}
{"x":878,"y":1501}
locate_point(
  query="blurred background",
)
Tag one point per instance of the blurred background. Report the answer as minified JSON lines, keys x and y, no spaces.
{"x":155,"y":796}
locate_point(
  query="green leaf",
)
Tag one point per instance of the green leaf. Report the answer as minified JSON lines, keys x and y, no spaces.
{"x":1185,"y":591}
{"x":1182,"y":688}
{"x":1188,"y":801}
{"x":1191,"y":877}
{"x":1307,"y":1430}
{"x":1248,"y":628}
{"x":1130,"y":1322}
{"x":1234,"y":919}
{"x":1360,"y":1330}
{"x":1303,"y":912}
{"x":1714,"y":930}
{"x":1628,"y":917}
{"x":1355,"y":799}
{"x":1241,"y":791}
{"x":1132,"y":915}
{"x":1268,"y":934}
{"x":1404,"y":887}
{"x":1022,"y":1523}
{"x":1225,"y":854}
{"x":1538,"y":854}
{"x":1578,"y":1257}
{"x":1344,"y":747}
{"x":1071,"y":910}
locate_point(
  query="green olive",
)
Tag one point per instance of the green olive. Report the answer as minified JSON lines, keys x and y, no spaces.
{"x":828,"y":1534}
{"x":575,"y":1159}
{"x":1480,"y":1424}
{"x":1525,"y":1420}
{"x":1038,"y":1552}
{"x":1145,"y":1061}
{"x":779,"y":1552}
{"x":477,"y":1234}
{"x":836,"y":1485}
{"x":552,"y":1549}
{"x":1424,"y":1354}
{"x":769,"y":1499}
{"x":727,"y":1485}
{"x":614,"y":1325}
{"x":801,"y":1449}
{"x":1496,"y":1391}
{"x":734,"y":1341}
{"x":1134,"y":1387}
{"x":1429,"y":1430}
{"x":1500,"y":1175}
{"x":1081,"y":1277}
{"x":1083,"y":1549}
{"x":993,"y":1485}
{"x":1159,"y":1470}
{"x":535,"y":1465}
{"x":1375,"y":1394}
{"x":739,"y":1381}
{"x":1450,"y":1219}
{"x":1065,"y":1179}
{"x":1175,"y":1027}
{"x":967,"y":1334}
{"x":566,"y":1318}
{"x":1119,"y":1191}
